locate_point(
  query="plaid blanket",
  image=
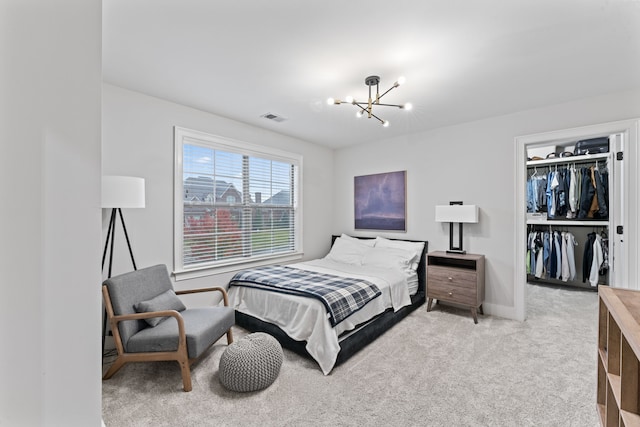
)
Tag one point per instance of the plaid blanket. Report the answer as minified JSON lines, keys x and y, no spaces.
{"x":342,"y":296}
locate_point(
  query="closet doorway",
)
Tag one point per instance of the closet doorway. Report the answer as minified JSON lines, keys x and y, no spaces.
{"x":547,"y":159}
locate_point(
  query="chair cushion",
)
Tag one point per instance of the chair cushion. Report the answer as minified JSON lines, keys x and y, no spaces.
{"x":203,"y":327}
{"x":165,"y":301}
{"x":126,"y":290}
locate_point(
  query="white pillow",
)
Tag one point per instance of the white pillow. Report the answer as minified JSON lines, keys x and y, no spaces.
{"x":347,"y":251}
{"x":413,"y":247}
{"x":394,"y":258}
{"x":368,"y":242}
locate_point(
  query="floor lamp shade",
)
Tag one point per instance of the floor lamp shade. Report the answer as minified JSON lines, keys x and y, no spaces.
{"x":456,"y":212}
{"x":123,"y":192}
{"x":119,"y":192}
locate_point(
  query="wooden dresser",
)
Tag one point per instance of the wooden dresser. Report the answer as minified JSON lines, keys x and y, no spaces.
{"x":618,"y":395}
{"x":457,"y":279}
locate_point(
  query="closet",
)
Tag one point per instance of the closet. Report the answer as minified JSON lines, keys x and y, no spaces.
{"x":573,"y":210}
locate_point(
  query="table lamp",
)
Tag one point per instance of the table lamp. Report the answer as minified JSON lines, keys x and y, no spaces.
{"x":456,"y":212}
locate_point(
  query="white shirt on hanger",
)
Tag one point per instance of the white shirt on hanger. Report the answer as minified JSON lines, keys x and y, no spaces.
{"x":598,"y":258}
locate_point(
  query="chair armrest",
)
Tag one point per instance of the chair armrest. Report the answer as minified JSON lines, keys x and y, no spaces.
{"x":146,"y":315}
{"x":151,"y":314}
{"x":225,"y":297}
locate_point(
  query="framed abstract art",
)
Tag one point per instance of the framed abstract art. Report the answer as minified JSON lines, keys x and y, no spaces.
{"x":380,"y":201}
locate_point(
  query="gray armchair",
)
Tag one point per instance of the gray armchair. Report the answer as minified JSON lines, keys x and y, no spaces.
{"x":150,"y":323}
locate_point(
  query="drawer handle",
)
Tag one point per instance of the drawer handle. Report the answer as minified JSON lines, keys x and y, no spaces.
{"x":450,"y":278}
{"x":450,"y":294}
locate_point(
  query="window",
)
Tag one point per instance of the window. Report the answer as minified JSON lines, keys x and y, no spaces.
{"x":234,"y":202}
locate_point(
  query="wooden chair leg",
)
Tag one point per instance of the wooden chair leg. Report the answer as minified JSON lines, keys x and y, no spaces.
{"x":186,"y":374}
{"x":115,"y":367}
{"x":229,"y":336}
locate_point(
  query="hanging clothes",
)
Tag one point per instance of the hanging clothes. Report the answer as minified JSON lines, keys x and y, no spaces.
{"x":592,"y":193}
{"x":558,"y":250}
{"x":546,"y":251}
{"x":604,"y":177}
{"x":534,"y":262}
{"x":594,"y":208}
{"x":578,"y":189}
{"x":561,"y":191}
{"x":598,"y":258}
{"x":587,"y":258}
{"x":541,"y":199}
{"x":565,"y":257}
{"x":569,"y":243}
{"x":604,"y":267}
{"x":536,"y":187}
{"x":574,"y":190}
{"x":552,"y":185}
{"x":531,"y":253}
{"x":601,"y":191}
{"x":586,"y":196}
{"x":530,"y":199}
{"x":539,"y":272}
{"x":551,"y":255}
{"x":573,"y":197}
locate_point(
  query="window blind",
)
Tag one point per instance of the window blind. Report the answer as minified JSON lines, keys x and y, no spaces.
{"x":236,"y":204}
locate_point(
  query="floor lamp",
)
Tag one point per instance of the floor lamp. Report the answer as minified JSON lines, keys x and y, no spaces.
{"x":119,"y":192}
{"x":456,"y":212}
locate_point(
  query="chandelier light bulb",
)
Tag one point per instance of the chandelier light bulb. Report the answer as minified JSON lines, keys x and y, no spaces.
{"x":401,"y":80}
{"x":359,"y":114}
{"x":407,"y":106}
{"x":385,"y":124}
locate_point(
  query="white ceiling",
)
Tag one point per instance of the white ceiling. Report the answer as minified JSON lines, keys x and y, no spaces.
{"x":463,"y":60}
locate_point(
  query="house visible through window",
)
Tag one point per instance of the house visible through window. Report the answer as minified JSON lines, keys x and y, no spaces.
{"x":235,"y":202}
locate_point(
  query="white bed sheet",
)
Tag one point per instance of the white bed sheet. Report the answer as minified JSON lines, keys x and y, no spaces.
{"x":306,"y":319}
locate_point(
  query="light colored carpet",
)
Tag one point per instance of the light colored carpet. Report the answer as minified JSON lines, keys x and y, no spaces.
{"x":431,"y":369}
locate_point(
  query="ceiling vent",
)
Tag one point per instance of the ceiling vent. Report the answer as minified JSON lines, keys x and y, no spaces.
{"x":274,"y":117}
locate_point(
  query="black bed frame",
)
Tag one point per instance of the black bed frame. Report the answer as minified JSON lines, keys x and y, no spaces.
{"x":357,"y":340}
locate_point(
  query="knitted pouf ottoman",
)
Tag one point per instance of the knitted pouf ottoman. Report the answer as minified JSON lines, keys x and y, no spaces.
{"x":251,"y":363}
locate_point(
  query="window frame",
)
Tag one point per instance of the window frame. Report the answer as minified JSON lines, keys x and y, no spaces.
{"x":184,"y":136}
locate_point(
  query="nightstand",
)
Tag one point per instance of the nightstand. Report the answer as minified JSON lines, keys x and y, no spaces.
{"x":457,"y":279}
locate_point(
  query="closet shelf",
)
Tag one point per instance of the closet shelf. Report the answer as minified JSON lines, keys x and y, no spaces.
{"x":571,"y":159}
{"x":567,"y":222}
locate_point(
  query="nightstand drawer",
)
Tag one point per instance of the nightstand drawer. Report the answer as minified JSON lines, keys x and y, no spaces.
{"x":451,"y":277}
{"x":454,"y":294}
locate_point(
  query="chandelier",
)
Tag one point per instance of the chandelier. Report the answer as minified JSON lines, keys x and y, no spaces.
{"x":367,"y":107}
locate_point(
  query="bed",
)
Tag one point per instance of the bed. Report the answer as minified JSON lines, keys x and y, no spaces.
{"x":305,"y":325}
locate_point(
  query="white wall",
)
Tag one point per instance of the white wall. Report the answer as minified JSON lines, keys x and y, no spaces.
{"x":472,"y":162}
{"x":50,"y":309}
{"x":138,"y":141}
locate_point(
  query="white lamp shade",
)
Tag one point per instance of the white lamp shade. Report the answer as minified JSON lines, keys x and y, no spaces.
{"x":457,"y":213}
{"x":122,"y":192}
